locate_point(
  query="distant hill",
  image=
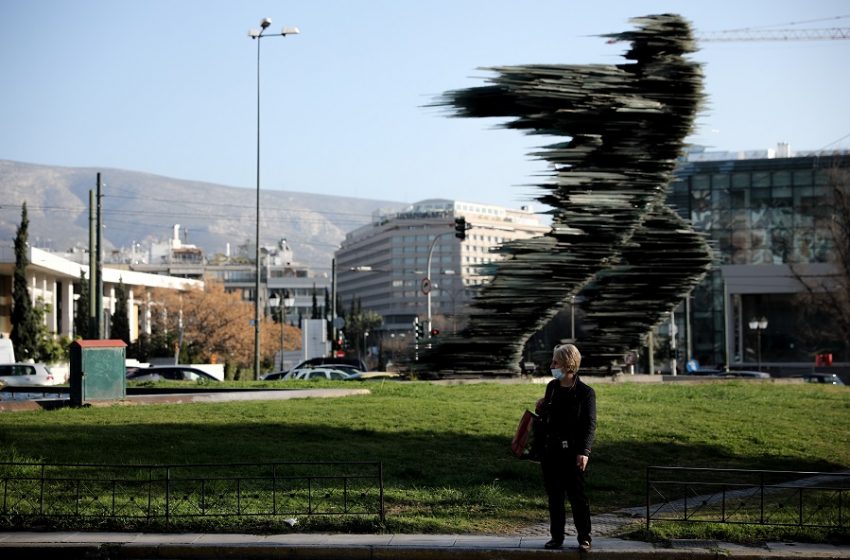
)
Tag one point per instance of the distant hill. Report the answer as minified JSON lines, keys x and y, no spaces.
{"x":141,"y":208}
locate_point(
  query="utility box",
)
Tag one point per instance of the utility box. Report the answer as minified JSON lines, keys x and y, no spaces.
{"x":98,"y":372}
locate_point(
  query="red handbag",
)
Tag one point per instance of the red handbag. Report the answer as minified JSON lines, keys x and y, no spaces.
{"x":525,"y":445}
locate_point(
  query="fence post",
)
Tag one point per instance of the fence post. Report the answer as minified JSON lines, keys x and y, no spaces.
{"x":309,"y":495}
{"x":647,"y":500}
{"x":274,"y":481}
{"x":167,"y":495}
{"x":761,"y":506}
{"x":150,"y":491}
{"x":381,"y":484}
{"x":41,"y":493}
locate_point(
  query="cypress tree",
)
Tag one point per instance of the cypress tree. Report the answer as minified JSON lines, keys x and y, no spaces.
{"x":24,"y":328}
{"x":81,"y":314}
{"x":120,"y":323}
{"x":315,"y":311}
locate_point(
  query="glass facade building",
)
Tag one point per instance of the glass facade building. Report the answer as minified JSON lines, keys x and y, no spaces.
{"x":769,"y":223}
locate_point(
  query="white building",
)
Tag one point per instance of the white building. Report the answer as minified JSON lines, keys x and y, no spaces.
{"x":51,"y":279}
{"x":385,"y":262}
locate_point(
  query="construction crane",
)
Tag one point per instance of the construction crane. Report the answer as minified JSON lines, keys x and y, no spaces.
{"x":737,"y":35}
{"x":773,"y":33}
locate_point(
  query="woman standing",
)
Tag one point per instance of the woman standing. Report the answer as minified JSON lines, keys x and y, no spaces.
{"x":569,"y":410}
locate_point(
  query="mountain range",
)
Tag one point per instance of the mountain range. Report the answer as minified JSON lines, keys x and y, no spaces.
{"x":142,"y":208}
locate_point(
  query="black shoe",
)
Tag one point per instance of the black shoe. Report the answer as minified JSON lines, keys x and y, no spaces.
{"x":584,"y":546}
{"x":553,"y":544}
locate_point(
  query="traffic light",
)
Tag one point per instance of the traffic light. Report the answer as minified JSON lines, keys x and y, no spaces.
{"x":460,"y":228}
{"x":435,"y":332}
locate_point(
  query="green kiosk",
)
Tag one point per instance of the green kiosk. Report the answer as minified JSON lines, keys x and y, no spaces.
{"x":98,"y":371}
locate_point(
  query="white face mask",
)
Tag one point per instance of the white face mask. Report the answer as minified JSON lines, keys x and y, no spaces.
{"x":558,"y":373}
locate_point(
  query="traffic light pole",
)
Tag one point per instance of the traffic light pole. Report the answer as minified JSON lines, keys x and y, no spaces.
{"x":460,"y":232}
{"x":430,"y":284}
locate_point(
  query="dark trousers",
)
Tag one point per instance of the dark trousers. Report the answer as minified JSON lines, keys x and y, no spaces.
{"x":561,"y":477}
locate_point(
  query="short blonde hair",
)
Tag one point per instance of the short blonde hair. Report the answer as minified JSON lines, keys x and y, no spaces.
{"x":568,"y":355}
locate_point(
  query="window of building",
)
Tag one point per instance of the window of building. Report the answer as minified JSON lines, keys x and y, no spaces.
{"x":738,"y":199}
{"x":741,"y":181}
{"x":803,"y":178}
{"x":781,"y":244}
{"x":760,"y":198}
{"x":701,"y":181}
{"x":720,"y":198}
{"x":803,"y":245}
{"x":720,"y":181}
{"x":761,"y":179}
{"x":781,"y":178}
{"x":805,"y":206}
{"x":782,"y":195}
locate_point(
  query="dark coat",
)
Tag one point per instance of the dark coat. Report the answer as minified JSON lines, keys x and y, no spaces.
{"x":570,"y":416}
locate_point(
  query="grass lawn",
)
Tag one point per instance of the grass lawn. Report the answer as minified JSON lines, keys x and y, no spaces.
{"x":445,"y":447}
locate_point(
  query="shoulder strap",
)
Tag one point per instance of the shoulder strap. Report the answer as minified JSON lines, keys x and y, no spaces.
{"x":550,"y":391}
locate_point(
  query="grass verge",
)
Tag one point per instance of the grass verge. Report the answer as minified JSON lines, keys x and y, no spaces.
{"x":445,"y":447}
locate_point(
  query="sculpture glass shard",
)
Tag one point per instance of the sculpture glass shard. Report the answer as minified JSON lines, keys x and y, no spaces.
{"x":613,"y":241}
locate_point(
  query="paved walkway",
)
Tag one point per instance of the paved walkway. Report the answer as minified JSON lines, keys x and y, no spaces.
{"x":58,"y":401}
{"x":61,"y":545}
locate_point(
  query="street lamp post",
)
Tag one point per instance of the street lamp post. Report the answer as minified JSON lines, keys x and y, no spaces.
{"x":255,"y":34}
{"x":758,"y":325}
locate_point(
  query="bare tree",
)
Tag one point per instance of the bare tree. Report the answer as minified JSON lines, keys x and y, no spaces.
{"x":824,"y":305}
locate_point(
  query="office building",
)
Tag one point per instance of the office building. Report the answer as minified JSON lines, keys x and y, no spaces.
{"x":384,"y":264}
{"x":768,"y":216}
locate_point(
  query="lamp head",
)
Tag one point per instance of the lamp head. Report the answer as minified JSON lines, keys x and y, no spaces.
{"x":290,"y":31}
{"x":266,"y":22}
{"x":753,"y":324}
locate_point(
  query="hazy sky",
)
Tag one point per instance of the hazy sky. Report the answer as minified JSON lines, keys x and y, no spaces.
{"x":170,"y":87}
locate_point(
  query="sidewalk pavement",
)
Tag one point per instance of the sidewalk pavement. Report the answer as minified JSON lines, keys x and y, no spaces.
{"x":303,"y":546}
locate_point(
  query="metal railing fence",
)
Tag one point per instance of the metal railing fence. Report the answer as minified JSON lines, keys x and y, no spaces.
{"x":172,"y":492}
{"x":740,"y":496}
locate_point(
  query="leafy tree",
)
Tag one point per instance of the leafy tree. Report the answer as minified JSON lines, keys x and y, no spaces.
{"x":119,"y":321}
{"x":216,"y":326}
{"x":24,"y":319}
{"x":81,"y":314}
{"x":358,"y":323}
{"x":48,"y":348}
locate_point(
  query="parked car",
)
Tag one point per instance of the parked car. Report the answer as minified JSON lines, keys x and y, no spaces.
{"x":169,"y":373}
{"x":318,"y":373}
{"x":746,"y":374}
{"x":26,"y":375}
{"x":294,"y":373}
{"x":331,"y":361}
{"x":274,"y":376}
{"x":706,"y":371}
{"x":827,"y":378}
{"x":368,"y":375}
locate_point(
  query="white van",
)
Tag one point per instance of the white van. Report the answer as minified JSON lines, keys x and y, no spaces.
{"x":7,"y":351}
